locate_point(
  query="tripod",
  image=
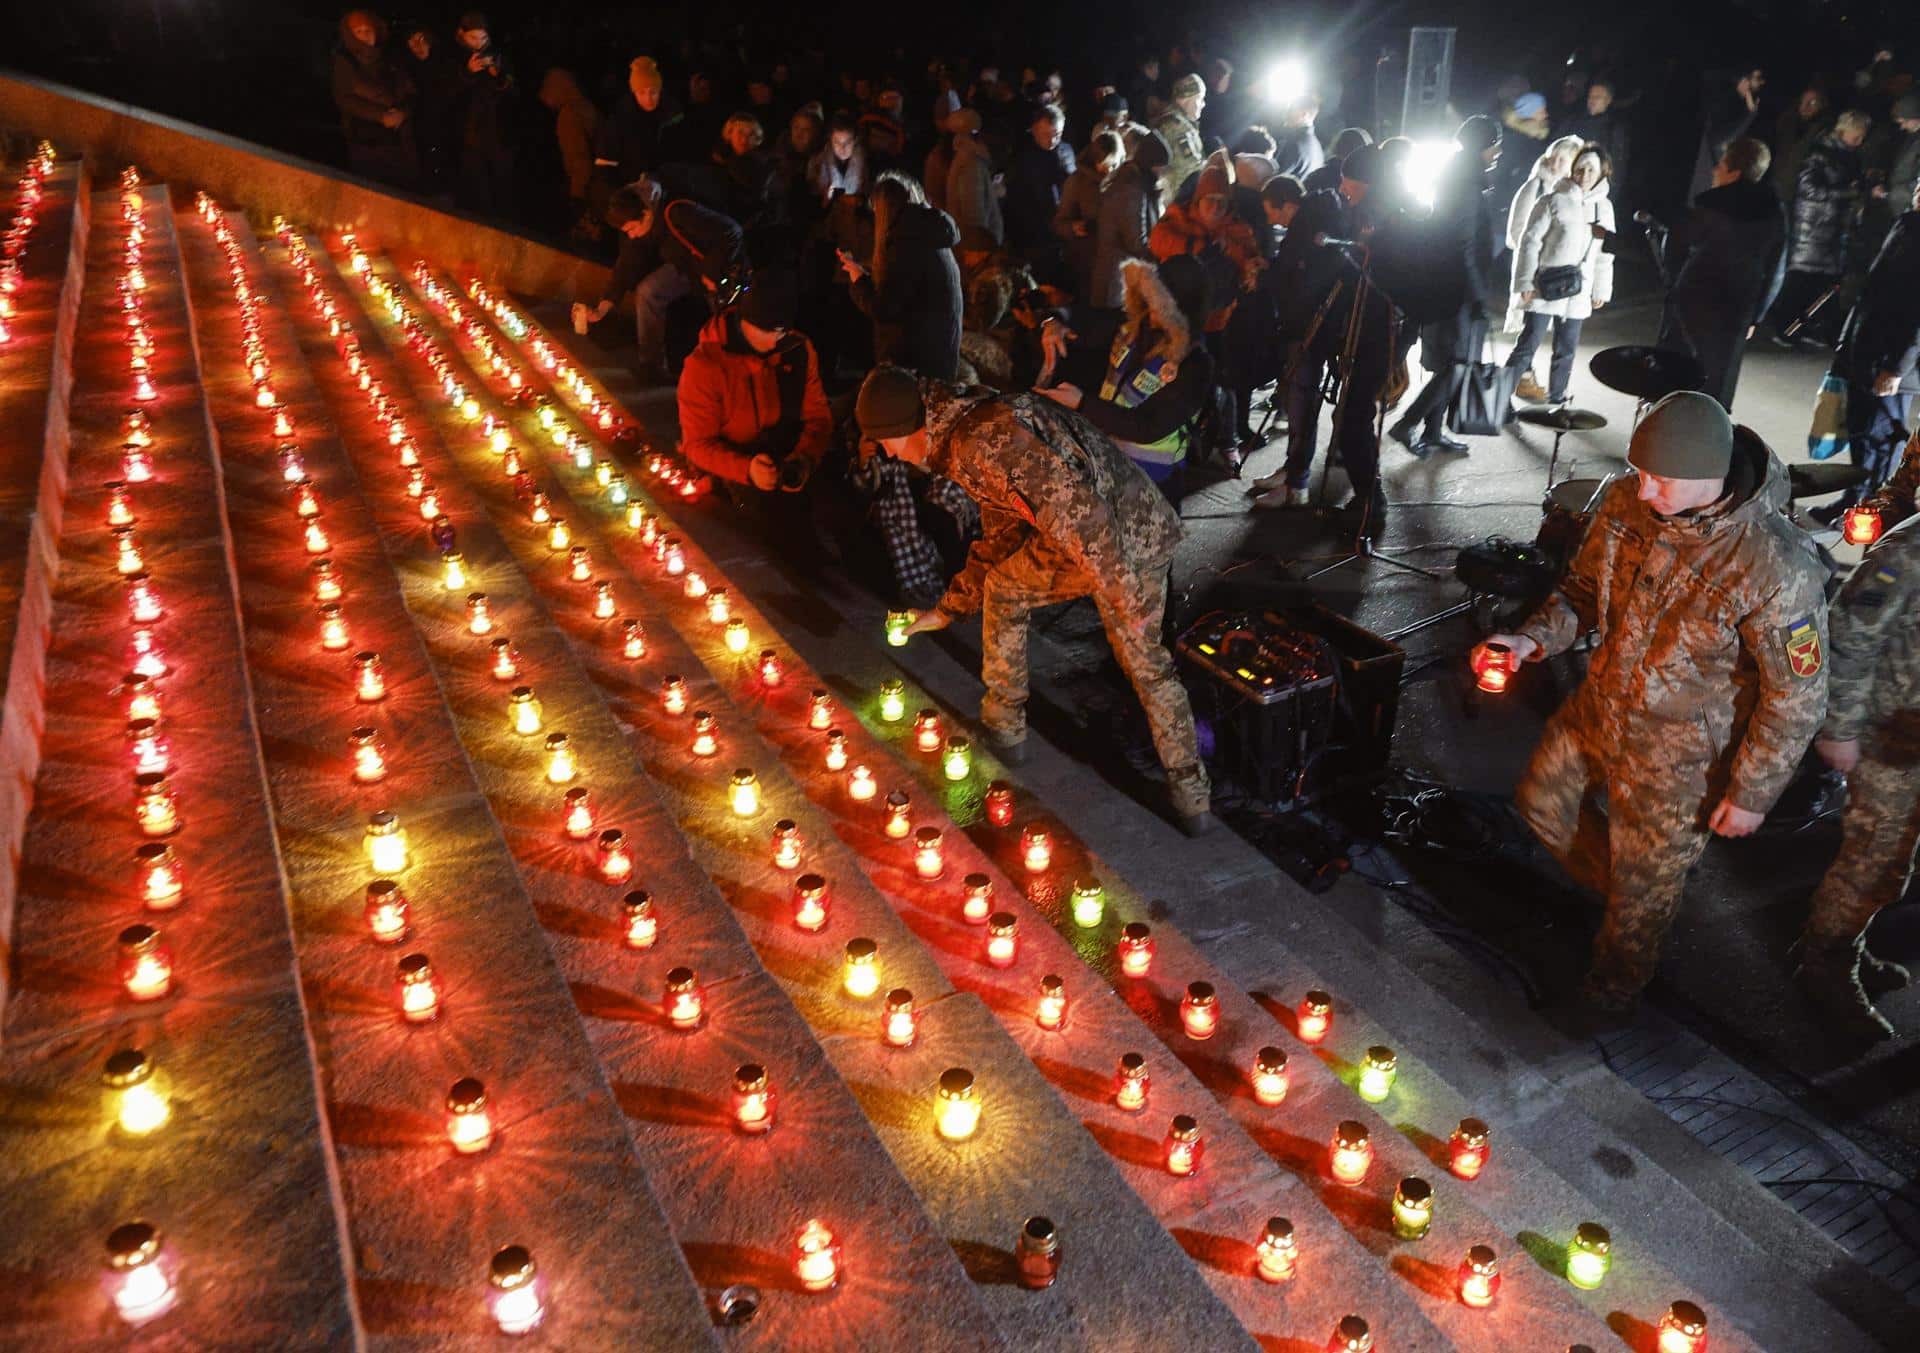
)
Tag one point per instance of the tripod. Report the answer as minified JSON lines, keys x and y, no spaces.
{"x":1340,"y":385}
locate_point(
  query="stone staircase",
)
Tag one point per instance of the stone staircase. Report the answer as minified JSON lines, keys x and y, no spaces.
{"x":317,"y":399}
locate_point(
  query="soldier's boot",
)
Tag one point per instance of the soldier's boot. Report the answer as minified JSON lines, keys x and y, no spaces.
{"x":1828,"y":978}
{"x":1880,"y":975}
{"x":1191,"y":799}
{"x":1005,"y":729}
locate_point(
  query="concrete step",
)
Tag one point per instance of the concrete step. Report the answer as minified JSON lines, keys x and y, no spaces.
{"x":560,"y":1176}
{"x":1531,"y":1206}
{"x":735,"y":854}
{"x":46,"y":198}
{"x":238,"y":1178}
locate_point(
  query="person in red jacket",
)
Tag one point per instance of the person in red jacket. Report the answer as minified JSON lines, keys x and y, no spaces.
{"x":752,"y":412}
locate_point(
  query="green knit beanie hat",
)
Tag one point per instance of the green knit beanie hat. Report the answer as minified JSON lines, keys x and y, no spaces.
{"x":1687,"y":435}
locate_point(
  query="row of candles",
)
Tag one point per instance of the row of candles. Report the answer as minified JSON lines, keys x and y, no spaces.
{"x":516,"y":1295}
{"x":29,"y":192}
{"x":957,"y":1110}
{"x":141,"y":1277}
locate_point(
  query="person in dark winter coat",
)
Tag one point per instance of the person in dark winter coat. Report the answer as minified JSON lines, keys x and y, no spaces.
{"x":1463,"y":242}
{"x":1728,"y":117}
{"x":1326,"y":178}
{"x":436,"y":91}
{"x":1793,"y":131}
{"x":1038,"y":170}
{"x":1296,"y":150}
{"x":1141,"y":374}
{"x":485,"y":118}
{"x":1878,"y":353}
{"x":1078,"y":214}
{"x":374,"y":97}
{"x":1524,"y":138}
{"x":1903,"y":172}
{"x":574,"y":122}
{"x":672,"y":248}
{"x":911,"y":289}
{"x":1831,"y":185}
{"x":1722,"y":266}
{"x":1604,"y":125}
{"x":973,"y":189}
{"x":1130,"y":205}
{"x":633,"y":140}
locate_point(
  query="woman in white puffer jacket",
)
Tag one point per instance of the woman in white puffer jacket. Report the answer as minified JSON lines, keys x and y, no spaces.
{"x":1560,"y":234}
{"x":1549,"y":171}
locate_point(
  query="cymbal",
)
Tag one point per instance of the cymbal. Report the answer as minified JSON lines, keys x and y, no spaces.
{"x":1810,"y":481}
{"x":1646,"y":372}
{"x":1564,"y":420}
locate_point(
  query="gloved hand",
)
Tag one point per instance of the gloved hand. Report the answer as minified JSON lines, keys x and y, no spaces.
{"x":795,"y":471}
{"x":763,"y":473}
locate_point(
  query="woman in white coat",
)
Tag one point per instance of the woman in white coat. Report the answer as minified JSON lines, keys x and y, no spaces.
{"x":1559,"y":234}
{"x":1549,"y":171}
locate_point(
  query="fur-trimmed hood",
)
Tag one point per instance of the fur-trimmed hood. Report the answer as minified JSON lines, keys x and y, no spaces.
{"x":1147,"y":301}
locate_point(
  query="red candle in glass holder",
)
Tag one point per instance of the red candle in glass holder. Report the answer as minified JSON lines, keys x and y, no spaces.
{"x":1863,"y":525}
{"x":1493,"y":666}
{"x":1314,"y":1017}
{"x":999,"y":803}
{"x":1467,"y":1149}
{"x":1135,"y":949}
{"x":1184,"y":1145}
{"x":1200,"y":1011}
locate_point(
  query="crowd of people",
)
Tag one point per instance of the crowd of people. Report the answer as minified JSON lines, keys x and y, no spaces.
{"x":1058,"y":309}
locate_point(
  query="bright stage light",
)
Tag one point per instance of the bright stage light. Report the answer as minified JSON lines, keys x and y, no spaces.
{"x":1285,"y":81}
{"x":1423,"y":167}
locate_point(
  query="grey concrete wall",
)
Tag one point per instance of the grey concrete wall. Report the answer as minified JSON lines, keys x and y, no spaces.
{"x":265,"y":181}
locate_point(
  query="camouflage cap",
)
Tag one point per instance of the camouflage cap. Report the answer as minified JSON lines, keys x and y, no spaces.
{"x":1687,"y":435}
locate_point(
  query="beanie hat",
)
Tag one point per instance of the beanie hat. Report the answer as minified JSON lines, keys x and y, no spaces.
{"x":1906,"y":106}
{"x":1150,"y":152}
{"x":1361,"y":164}
{"x":1215,"y":177}
{"x":1687,"y":435}
{"x":1185,"y":278}
{"x":1188,"y":85}
{"x":643,"y":75}
{"x":1478,"y":134}
{"x":1529,"y":106}
{"x":888,"y":404}
{"x":1114,"y":105}
{"x":772,"y":300}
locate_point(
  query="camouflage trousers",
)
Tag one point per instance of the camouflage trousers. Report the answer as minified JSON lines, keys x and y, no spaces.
{"x":1034,"y":575}
{"x":1636,"y":854}
{"x":1878,"y":836}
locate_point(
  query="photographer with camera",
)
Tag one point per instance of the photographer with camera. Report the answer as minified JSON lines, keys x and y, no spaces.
{"x":669,"y":249}
{"x":485,"y":117}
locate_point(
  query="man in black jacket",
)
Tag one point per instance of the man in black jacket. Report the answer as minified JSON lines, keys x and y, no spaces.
{"x":671,"y":248}
{"x":1722,"y":266}
{"x":1831,"y":183}
{"x":632,"y":141}
{"x":1878,"y":353}
{"x":1462,"y":286}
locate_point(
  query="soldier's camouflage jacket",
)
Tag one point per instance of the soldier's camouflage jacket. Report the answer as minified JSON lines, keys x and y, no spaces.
{"x":1875,"y":686}
{"x":1712,"y":632}
{"x":1037,"y":469}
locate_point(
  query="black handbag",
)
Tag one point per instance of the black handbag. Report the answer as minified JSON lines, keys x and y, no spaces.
{"x":1486,"y":395}
{"x":1564,"y":281}
{"x":1558,"y":284}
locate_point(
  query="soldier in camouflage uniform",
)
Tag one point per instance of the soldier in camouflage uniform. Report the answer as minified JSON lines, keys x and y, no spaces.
{"x":1179,"y":127}
{"x":1063,"y":514}
{"x":1706,"y":683}
{"x":1872,"y":733}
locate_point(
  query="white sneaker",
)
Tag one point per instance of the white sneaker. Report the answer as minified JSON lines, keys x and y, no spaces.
{"x":1266,"y":484}
{"x":1280,"y":498}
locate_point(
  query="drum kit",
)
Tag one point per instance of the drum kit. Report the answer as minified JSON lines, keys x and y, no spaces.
{"x":1649,"y":374}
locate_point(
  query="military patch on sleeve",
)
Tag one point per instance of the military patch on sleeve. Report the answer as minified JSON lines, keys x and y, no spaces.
{"x":1802,"y":640}
{"x":1874,"y":595}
